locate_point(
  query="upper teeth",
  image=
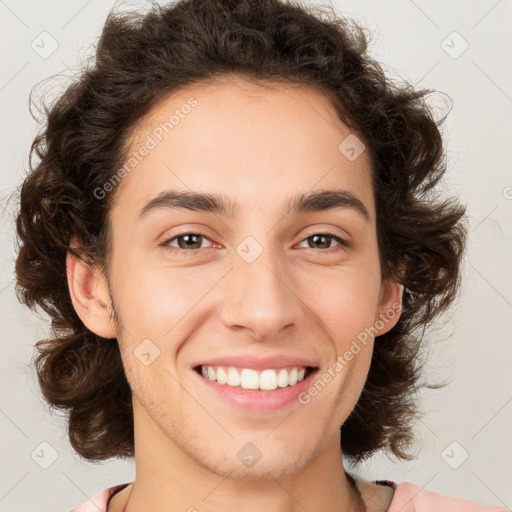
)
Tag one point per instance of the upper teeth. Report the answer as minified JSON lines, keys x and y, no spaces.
{"x":247,"y":378}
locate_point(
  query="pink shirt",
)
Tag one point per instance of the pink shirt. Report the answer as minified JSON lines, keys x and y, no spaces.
{"x":407,"y":497}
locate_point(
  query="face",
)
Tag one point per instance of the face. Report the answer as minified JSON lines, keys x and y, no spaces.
{"x":260,"y":285}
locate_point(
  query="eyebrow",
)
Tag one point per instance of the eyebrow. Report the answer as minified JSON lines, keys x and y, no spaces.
{"x":315,"y":201}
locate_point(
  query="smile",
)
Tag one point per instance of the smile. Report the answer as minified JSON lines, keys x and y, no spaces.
{"x":247,"y":378}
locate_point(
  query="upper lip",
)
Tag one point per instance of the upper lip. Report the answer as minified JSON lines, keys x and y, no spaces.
{"x":257,"y":363}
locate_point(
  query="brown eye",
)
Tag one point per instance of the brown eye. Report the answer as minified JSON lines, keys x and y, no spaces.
{"x":323,"y":241}
{"x":190,"y":241}
{"x":187,"y":243}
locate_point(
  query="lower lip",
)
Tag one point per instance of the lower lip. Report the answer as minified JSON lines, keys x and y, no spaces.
{"x":250,"y":399}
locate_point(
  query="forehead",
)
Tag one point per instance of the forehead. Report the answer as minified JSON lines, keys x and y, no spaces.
{"x":260,"y":143}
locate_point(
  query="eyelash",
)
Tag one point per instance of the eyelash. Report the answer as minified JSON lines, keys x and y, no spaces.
{"x":174,"y":250}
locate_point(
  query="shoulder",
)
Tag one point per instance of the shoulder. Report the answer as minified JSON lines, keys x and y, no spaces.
{"x":409,"y":497}
{"x":99,"y":502}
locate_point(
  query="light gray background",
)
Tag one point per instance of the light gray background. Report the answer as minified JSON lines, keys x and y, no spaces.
{"x":472,"y":348}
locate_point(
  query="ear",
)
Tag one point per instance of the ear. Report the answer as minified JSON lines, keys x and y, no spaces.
{"x":389,"y":308}
{"x":88,"y":289}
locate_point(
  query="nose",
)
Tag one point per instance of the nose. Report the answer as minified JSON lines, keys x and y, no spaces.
{"x":260,"y":297}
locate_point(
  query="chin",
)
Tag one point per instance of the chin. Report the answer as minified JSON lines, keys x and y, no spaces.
{"x":257,"y":461}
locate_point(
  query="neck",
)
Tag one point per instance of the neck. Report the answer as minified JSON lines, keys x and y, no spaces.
{"x":132,"y":501}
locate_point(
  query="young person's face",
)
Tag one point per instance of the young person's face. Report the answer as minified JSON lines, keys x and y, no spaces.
{"x":259,"y":284}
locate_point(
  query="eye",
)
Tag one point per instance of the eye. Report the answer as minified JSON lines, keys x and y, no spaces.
{"x":187,"y":242}
{"x":325,"y":238}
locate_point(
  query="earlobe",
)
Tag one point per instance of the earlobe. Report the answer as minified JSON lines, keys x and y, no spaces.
{"x":90,"y":297}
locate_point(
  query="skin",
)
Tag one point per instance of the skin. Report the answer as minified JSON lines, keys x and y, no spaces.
{"x":260,"y":147}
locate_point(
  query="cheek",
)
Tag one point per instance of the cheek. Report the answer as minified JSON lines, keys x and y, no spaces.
{"x":154,"y":298}
{"x":346,"y":302}
{"x":145,"y":381}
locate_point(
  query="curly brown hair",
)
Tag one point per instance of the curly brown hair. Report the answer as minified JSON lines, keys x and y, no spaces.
{"x":140,"y":59}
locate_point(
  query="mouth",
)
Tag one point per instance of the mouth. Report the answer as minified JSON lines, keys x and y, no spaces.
{"x":248,"y":379}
